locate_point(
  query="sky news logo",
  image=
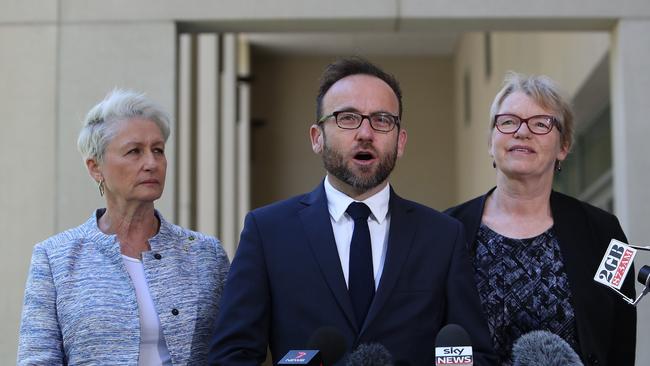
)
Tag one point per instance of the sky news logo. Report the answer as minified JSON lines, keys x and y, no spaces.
{"x":615,"y":264}
{"x":447,"y":356}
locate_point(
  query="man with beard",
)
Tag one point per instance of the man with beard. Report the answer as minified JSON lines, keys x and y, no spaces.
{"x":351,"y":254}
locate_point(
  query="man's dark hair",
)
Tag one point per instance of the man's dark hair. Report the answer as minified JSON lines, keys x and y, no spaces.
{"x":353,"y":66}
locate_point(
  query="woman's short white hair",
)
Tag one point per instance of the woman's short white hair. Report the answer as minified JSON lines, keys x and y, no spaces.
{"x":119,"y":105}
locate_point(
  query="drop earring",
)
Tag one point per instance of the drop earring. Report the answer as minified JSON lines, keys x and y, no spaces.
{"x":100,"y":186}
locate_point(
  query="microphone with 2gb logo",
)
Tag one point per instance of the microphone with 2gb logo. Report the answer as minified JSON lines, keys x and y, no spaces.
{"x":615,"y":265}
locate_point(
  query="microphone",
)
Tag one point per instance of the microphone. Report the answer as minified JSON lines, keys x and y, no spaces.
{"x":302,"y":357}
{"x":543,"y":348}
{"x":453,"y":346}
{"x":614,"y":268}
{"x":644,"y":276}
{"x":370,"y":354}
{"x":325,"y":347}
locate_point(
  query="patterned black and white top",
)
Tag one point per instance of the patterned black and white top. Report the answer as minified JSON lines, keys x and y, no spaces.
{"x":523,"y":287}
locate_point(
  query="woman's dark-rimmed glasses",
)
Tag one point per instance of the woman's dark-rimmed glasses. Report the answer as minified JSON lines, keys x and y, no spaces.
{"x":539,"y":124}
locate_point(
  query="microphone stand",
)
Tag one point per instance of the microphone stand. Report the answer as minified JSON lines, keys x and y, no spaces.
{"x":629,"y":300}
{"x":639,"y":247}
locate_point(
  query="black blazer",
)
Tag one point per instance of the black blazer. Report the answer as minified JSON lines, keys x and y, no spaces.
{"x":286,"y":282}
{"x":606,"y":324}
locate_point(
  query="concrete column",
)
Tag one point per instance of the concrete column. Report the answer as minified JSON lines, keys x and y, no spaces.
{"x":182,"y":133}
{"x":27,"y":162}
{"x":243,"y":131}
{"x":631,"y":151}
{"x":228,"y":149}
{"x":630,"y":127}
{"x":208,"y":134}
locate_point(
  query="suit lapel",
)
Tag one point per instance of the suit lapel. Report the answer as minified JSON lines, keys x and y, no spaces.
{"x":400,"y":239}
{"x":316,"y":221}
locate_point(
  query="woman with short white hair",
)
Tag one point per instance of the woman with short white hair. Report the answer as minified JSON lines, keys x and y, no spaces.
{"x":126,"y":287}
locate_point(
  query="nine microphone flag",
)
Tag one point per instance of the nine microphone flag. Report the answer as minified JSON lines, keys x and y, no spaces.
{"x":301,"y":357}
{"x":615,"y":264}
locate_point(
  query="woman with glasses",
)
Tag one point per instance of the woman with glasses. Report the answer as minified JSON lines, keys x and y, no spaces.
{"x":535,"y":251}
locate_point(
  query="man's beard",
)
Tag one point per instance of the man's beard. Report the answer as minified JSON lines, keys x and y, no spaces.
{"x":335,"y":165}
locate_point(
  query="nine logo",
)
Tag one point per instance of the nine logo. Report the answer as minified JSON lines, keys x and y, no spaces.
{"x":301,"y":357}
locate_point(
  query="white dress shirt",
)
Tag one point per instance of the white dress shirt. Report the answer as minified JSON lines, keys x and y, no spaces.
{"x":153,"y":349}
{"x":343,"y":226}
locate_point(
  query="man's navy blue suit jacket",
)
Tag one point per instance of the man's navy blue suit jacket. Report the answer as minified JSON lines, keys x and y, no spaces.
{"x":286,"y":282}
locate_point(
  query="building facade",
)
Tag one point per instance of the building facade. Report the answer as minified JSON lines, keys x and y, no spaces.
{"x":240,"y":78}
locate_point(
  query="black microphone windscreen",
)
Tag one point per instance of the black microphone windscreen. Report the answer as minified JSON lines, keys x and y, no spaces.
{"x":644,"y":275}
{"x":370,"y":354}
{"x":543,"y":348}
{"x":330,"y":342}
{"x":452,"y":335}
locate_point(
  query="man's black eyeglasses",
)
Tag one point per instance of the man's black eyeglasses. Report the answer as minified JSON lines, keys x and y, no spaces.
{"x":382,"y":122}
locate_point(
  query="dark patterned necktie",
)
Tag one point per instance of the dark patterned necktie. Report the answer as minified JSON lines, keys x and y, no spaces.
{"x":361,"y":280}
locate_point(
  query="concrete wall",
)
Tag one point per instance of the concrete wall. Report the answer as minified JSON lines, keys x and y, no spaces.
{"x":27,"y":162}
{"x":284,"y":92}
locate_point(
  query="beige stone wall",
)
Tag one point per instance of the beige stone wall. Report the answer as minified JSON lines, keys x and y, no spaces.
{"x":27,"y":162}
{"x":284,"y":92}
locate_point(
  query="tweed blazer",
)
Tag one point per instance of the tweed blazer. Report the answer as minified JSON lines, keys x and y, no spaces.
{"x":80,"y":306}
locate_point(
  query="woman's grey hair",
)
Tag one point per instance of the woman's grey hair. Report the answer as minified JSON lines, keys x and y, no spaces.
{"x":119,"y":105}
{"x":545,"y":92}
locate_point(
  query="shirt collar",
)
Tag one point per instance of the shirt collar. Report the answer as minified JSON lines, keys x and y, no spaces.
{"x":338,"y":202}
